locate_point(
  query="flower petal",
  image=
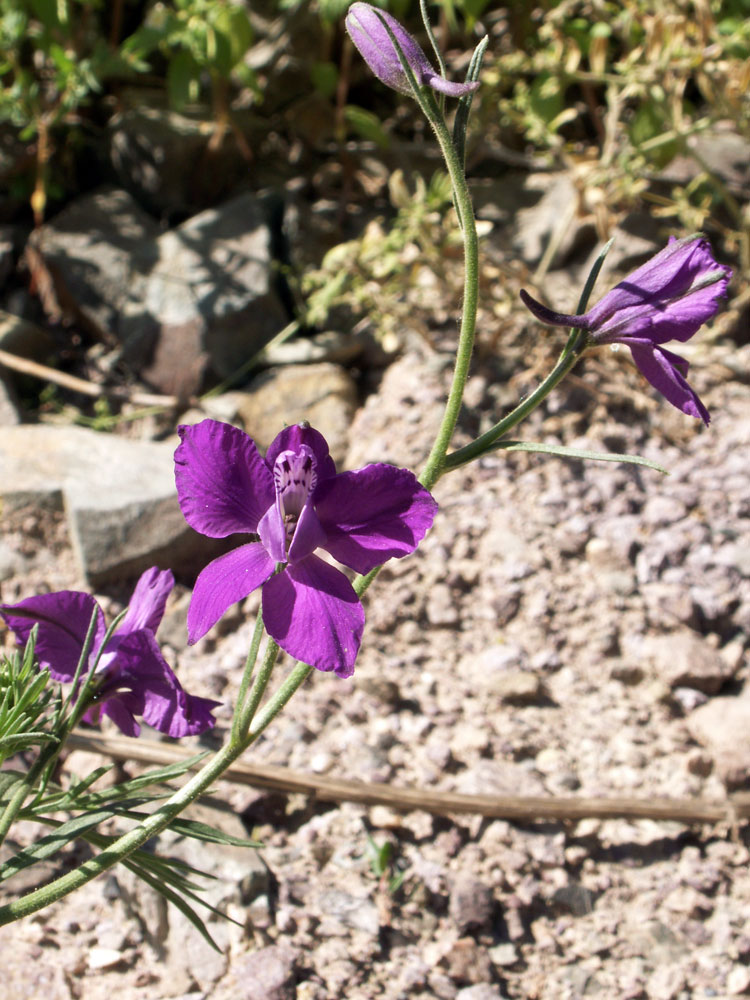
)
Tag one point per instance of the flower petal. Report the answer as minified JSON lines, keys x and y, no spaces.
{"x":444,"y":86}
{"x":141,"y":682}
{"x":64,"y":618}
{"x":146,"y":608}
{"x":272,"y":532}
{"x":367,"y":31}
{"x":549,"y":316}
{"x":292,"y":438}
{"x":684,"y":270}
{"x":308,"y":535}
{"x":223,"y":484}
{"x":120,"y":712}
{"x":666,"y":373}
{"x":312,"y":612}
{"x":226,"y":580}
{"x":374,"y":514}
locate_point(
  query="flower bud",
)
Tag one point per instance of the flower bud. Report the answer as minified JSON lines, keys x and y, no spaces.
{"x":367,"y":30}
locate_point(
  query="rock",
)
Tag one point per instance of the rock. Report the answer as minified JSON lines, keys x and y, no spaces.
{"x":471,"y":903}
{"x":519,"y":687}
{"x":684,"y":659}
{"x":93,"y":249}
{"x":574,"y":898}
{"x":549,"y":217}
{"x":119,"y":497}
{"x":324,"y":394}
{"x":351,"y":911}
{"x":738,"y":981}
{"x":468,"y":962}
{"x":198,"y":296}
{"x":481,"y":991}
{"x":163,"y":157}
{"x":209,"y":297}
{"x":103,"y":958}
{"x":721,"y":727}
{"x":441,"y":606}
{"x":504,"y":955}
{"x":265,"y":974}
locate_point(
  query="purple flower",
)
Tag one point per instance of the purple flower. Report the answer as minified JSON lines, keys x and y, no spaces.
{"x":367,"y":31}
{"x":669,"y":298}
{"x":133,"y":677}
{"x":295,"y":502}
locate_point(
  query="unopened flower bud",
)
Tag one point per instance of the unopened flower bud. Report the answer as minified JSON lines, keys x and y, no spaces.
{"x":368,"y":32}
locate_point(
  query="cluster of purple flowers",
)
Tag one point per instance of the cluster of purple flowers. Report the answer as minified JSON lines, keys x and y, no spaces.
{"x":133,"y":678}
{"x":294,"y":504}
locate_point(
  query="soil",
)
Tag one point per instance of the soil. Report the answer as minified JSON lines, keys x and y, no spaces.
{"x":563,"y":630}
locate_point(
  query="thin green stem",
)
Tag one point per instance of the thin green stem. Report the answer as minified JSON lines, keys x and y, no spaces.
{"x":247,"y":674}
{"x":245,"y":715}
{"x":14,"y":806}
{"x":482,"y":444}
{"x":278,"y":700}
{"x":435,"y":462}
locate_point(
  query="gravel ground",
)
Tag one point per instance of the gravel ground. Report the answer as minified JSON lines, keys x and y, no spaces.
{"x":565,"y":629}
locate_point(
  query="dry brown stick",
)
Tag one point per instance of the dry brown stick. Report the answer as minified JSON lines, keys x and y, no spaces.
{"x":514,"y":807}
{"x":28,"y":367}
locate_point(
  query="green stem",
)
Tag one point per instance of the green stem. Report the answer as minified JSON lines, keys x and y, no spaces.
{"x":435,"y":464}
{"x":126,"y":844}
{"x":247,"y":674}
{"x":271,"y":709}
{"x":482,"y":444}
{"x":245,"y":714}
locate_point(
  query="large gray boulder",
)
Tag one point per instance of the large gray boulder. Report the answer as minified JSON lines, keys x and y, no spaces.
{"x":200,"y":296}
{"x":119,"y":498}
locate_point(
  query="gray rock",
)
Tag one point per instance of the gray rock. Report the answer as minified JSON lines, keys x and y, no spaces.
{"x":550,"y":218}
{"x":471,"y":903}
{"x":119,"y":497}
{"x":721,"y":726}
{"x":481,"y":991}
{"x":265,"y":974}
{"x":163,"y":157}
{"x":93,"y":248}
{"x":211,"y":281}
{"x":323,"y":394}
{"x":356,"y":912}
{"x":684,"y":659}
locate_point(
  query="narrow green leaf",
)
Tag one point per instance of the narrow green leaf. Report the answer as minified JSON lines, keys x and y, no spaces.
{"x":7,"y":780}
{"x":564,"y":452}
{"x":367,"y":125}
{"x":202,"y":831}
{"x":53,"y":842}
{"x":21,"y":740}
{"x":461,"y":120}
{"x":173,"y":897}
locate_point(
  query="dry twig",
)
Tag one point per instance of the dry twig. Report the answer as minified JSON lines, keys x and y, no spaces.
{"x":513,"y":807}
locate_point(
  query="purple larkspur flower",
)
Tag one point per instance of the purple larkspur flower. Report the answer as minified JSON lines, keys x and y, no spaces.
{"x":295,"y":502}
{"x":669,"y":298}
{"x":367,"y":31}
{"x":133,"y":678}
